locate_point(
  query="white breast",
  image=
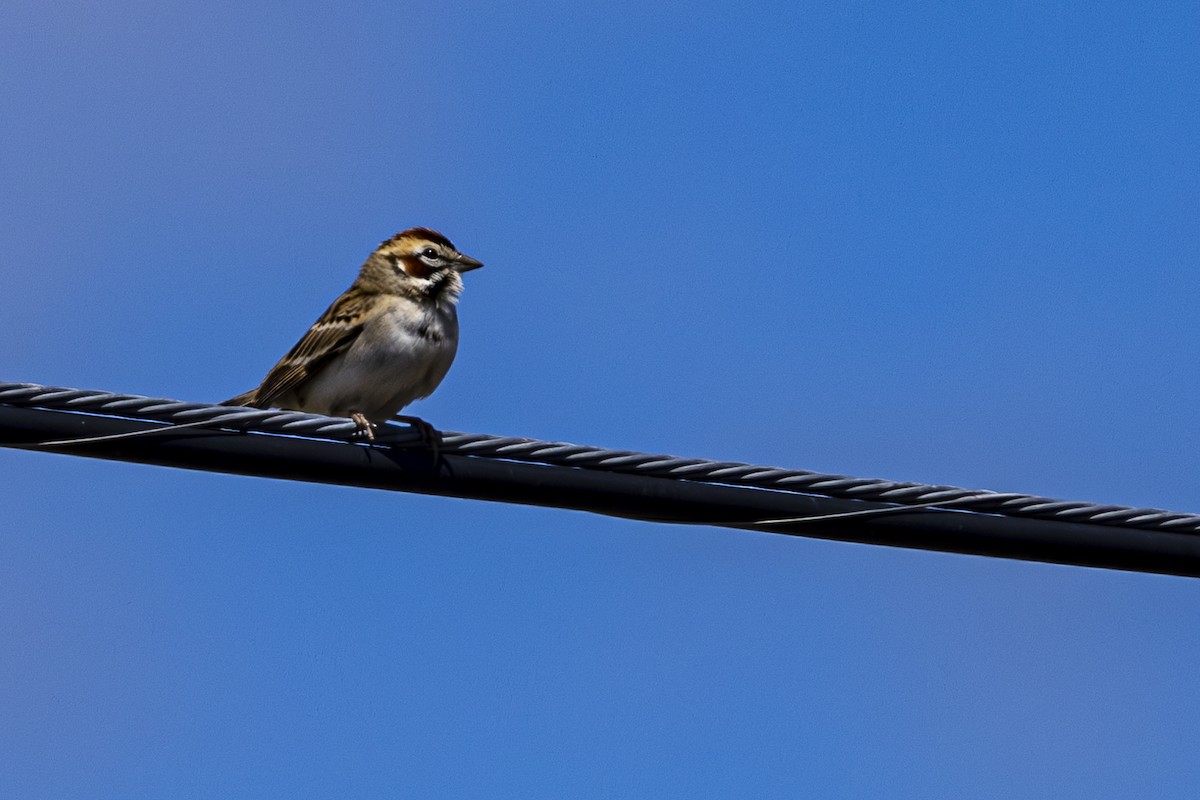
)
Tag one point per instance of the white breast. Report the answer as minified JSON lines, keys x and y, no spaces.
{"x":401,"y":355}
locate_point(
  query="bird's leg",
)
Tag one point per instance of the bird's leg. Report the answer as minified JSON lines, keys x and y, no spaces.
{"x":365,"y":427}
{"x":429,"y":435}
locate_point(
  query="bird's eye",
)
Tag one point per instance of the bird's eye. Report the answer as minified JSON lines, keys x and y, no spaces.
{"x":429,"y":253}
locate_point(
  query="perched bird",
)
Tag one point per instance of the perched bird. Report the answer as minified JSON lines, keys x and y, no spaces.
{"x":388,"y":340}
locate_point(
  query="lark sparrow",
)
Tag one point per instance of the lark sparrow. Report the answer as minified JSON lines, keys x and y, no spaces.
{"x":388,"y":340}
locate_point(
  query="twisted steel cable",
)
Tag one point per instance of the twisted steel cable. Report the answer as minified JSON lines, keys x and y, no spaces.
{"x":294,"y":423}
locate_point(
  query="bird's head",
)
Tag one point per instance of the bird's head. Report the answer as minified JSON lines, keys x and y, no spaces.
{"x":420,"y":261}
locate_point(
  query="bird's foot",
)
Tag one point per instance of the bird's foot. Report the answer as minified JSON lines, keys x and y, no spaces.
{"x":429,"y":435}
{"x":366,"y":428}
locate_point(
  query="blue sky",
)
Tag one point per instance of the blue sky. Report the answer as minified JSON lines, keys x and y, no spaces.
{"x":942,"y":242}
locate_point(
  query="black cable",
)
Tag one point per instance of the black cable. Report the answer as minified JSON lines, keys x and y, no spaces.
{"x":643,"y":497}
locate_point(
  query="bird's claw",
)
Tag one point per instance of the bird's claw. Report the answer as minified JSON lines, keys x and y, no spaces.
{"x":430,"y":437}
{"x":365,"y":427}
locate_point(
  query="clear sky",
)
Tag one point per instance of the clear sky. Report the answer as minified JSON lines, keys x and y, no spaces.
{"x":943,"y":242}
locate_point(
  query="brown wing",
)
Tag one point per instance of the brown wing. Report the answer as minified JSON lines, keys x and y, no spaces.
{"x":331,"y":334}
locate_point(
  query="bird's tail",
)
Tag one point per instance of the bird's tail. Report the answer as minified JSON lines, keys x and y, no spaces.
{"x":244,"y":399}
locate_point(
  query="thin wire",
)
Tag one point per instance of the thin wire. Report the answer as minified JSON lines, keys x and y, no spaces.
{"x":905,"y":494}
{"x":169,"y":428}
{"x":864,"y":514}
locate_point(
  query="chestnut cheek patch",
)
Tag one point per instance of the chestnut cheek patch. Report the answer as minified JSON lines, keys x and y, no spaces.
{"x":415,"y":267}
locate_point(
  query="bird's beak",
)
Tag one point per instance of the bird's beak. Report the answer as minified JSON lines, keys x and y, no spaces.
{"x":466,"y":263}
